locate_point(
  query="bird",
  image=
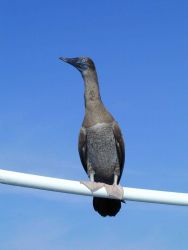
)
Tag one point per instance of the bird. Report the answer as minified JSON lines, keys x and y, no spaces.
{"x":101,"y":145}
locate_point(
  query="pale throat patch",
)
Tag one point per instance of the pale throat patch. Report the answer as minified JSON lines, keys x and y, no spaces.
{"x":101,"y":124}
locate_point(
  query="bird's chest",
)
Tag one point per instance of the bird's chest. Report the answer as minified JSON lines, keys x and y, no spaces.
{"x":101,"y":147}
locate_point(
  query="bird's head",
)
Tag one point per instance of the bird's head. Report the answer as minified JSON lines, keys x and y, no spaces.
{"x":81,"y":63}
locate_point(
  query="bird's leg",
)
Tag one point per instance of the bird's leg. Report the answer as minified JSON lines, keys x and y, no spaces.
{"x":115,"y":179}
{"x":92,"y":176}
{"x":90,"y":171}
{"x":116,"y":174}
{"x":115,"y":190}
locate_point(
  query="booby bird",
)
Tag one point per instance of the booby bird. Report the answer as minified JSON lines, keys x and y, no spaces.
{"x":101,"y":145}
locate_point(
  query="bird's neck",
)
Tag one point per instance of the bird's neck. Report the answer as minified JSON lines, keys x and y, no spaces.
{"x":95,"y":111}
{"x":92,"y":93}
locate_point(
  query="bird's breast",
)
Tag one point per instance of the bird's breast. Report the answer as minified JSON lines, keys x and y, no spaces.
{"x":101,"y":150}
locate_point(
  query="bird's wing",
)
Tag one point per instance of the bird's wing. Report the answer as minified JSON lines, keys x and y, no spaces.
{"x":119,"y":145}
{"x":82,"y":147}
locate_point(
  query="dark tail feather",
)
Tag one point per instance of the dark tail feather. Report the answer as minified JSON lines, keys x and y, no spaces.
{"x":106,"y":207}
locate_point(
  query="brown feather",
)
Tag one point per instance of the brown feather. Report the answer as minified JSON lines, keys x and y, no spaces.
{"x":82,"y":148}
{"x":120,"y":146}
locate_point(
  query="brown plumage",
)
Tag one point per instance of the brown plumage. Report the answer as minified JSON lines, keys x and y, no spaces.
{"x":101,"y":145}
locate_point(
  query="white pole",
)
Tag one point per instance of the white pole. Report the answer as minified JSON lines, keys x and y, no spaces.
{"x":77,"y":187}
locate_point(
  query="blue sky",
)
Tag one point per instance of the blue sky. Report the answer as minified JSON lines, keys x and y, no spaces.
{"x":141,"y":54}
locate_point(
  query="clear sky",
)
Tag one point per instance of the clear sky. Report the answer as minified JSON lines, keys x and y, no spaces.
{"x":141,"y":54}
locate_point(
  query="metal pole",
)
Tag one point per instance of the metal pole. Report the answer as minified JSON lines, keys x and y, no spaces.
{"x":77,"y":187}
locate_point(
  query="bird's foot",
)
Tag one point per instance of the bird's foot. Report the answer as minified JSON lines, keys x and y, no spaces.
{"x":115,"y":191}
{"x":93,"y":186}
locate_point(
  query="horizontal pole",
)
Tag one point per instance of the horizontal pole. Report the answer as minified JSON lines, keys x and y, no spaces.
{"x":77,"y":187}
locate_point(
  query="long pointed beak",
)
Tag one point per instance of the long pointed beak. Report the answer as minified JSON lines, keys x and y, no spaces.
{"x":63,"y":58}
{"x":72,"y":61}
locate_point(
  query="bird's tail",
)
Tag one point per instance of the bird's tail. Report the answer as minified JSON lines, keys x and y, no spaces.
{"x":106,"y":207}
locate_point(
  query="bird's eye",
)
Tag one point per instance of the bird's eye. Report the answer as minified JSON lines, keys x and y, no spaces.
{"x":84,"y":60}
